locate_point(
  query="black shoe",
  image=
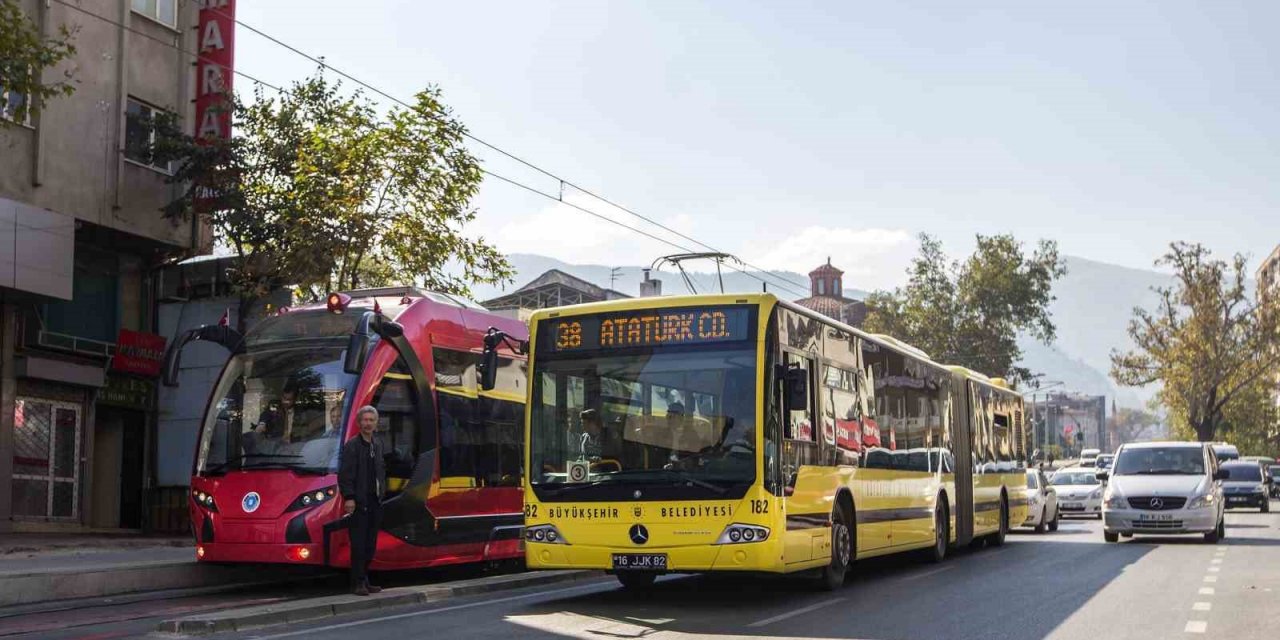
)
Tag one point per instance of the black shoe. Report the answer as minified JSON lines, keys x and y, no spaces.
{"x":361,"y":590}
{"x":372,"y":589}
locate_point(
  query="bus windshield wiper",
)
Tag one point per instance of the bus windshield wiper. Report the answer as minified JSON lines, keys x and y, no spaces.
{"x":685,"y":476}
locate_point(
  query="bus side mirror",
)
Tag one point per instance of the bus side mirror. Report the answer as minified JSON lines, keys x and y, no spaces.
{"x":489,"y":367}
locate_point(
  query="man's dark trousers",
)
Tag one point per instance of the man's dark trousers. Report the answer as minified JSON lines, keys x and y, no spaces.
{"x":364,"y":541}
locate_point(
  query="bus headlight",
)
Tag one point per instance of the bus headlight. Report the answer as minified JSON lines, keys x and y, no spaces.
{"x":545,"y":534}
{"x":742,"y":533}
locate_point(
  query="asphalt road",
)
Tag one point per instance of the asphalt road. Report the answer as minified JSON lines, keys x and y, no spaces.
{"x":1068,"y":585}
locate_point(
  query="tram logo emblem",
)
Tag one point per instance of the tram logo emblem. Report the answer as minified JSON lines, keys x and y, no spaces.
{"x":638,"y":534}
{"x":251,"y":502}
{"x":1157,"y":504}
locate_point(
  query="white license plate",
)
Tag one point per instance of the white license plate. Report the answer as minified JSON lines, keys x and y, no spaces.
{"x":1073,"y":505}
{"x":1154,"y":517}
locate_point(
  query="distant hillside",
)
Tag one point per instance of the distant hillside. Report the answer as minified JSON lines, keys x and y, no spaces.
{"x":530,"y":266}
{"x":1094,"y":303}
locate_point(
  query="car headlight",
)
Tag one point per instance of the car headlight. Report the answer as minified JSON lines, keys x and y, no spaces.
{"x":1033,"y":498}
{"x":1115,"y":500}
{"x":1259,"y":489}
{"x":545,"y":534}
{"x":741,"y":533}
{"x":1097,"y":493}
{"x":1201,"y":502}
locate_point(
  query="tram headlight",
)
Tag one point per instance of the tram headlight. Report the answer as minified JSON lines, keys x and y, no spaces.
{"x":205,"y":500}
{"x":743,"y":533}
{"x":545,"y":534}
{"x":313,"y":497}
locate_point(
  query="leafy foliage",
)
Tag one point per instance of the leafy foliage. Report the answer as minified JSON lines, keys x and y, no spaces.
{"x":24,"y":55}
{"x":970,"y":313}
{"x":1209,"y":344}
{"x":321,"y":191}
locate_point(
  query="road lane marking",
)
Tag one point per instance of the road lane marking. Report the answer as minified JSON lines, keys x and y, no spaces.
{"x":1222,"y":548}
{"x":1211,"y":578}
{"x":1217,"y":561}
{"x":797,"y":612}
{"x":1206,"y":591}
{"x":1202,"y":606}
{"x":469,"y":605}
{"x":925,"y":574}
{"x":1215,"y":569}
{"x":1196,"y":626}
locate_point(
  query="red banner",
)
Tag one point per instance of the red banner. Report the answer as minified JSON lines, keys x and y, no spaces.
{"x":215,"y":68}
{"x":138,"y":353}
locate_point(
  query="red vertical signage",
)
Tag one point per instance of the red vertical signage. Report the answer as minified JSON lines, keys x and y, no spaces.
{"x":215,"y":68}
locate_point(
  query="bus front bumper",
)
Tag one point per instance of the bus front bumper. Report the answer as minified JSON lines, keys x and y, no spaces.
{"x":761,"y":556}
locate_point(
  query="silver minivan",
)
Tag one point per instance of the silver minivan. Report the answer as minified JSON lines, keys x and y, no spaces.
{"x":1163,"y":488}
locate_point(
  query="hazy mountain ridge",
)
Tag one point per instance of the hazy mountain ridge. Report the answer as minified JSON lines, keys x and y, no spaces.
{"x":1093,"y":305}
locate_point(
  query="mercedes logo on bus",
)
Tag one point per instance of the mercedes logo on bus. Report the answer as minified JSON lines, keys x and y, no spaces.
{"x":638,"y":534}
{"x":1157,"y":504}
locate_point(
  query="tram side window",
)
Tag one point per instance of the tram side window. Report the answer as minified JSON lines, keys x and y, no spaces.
{"x":455,"y":369}
{"x":499,"y":460}
{"x":460,"y":441}
{"x":397,"y":404}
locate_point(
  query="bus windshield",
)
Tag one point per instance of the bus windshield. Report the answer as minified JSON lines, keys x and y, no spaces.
{"x":277,"y":409}
{"x":679,"y":421}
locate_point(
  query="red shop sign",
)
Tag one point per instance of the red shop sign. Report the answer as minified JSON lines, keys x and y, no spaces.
{"x":138,"y":353}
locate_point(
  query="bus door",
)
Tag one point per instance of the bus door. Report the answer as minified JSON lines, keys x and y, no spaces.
{"x":806,"y":506}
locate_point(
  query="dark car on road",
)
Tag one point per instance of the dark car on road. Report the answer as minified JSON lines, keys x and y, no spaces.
{"x":1246,"y":486}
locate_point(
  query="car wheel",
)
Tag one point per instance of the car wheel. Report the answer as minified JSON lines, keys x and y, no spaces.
{"x":832,"y":576}
{"x":997,"y":538}
{"x":1216,"y":534}
{"x":1110,"y":537}
{"x":1053,"y":524}
{"x":636,"y":580}
{"x":1044,"y":515}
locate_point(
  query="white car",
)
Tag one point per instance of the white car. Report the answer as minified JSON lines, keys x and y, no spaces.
{"x":1164,"y":488}
{"x":1042,"y":502}
{"x":1079,"y":492}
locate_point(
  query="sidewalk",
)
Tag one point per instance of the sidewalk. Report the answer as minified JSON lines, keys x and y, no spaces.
{"x":38,"y":568}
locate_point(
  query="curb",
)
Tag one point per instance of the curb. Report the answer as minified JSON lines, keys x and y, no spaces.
{"x":26,"y":587}
{"x":329,"y":606}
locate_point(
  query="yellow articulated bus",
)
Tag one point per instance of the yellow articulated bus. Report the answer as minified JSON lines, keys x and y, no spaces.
{"x":745,"y":433}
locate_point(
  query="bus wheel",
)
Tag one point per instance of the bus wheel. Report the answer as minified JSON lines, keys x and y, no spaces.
{"x":997,"y":538}
{"x":832,"y":576}
{"x":636,"y":580}
{"x":941,"y":533}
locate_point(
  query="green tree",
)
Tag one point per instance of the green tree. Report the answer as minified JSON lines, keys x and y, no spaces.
{"x":1209,"y":345}
{"x":24,"y":55}
{"x":320,"y":190}
{"x":970,"y":313}
{"x":1129,"y":424}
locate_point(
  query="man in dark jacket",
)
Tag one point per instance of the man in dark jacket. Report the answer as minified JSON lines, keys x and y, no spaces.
{"x":362,"y":479}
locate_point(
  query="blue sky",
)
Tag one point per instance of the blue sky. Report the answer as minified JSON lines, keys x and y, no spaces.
{"x":784,"y":132}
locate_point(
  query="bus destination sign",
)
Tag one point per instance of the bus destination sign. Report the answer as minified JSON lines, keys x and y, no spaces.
{"x":651,"y":328}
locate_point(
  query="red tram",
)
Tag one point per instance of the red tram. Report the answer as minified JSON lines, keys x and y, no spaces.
{"x":264,"y":482}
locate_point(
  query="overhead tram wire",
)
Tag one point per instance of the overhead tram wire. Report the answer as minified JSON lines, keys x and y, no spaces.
{"x":794,"y":286}
{"x":511,"y":181}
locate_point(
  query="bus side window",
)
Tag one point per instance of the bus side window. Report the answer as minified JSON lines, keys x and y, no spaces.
{"x":800,"y":424}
